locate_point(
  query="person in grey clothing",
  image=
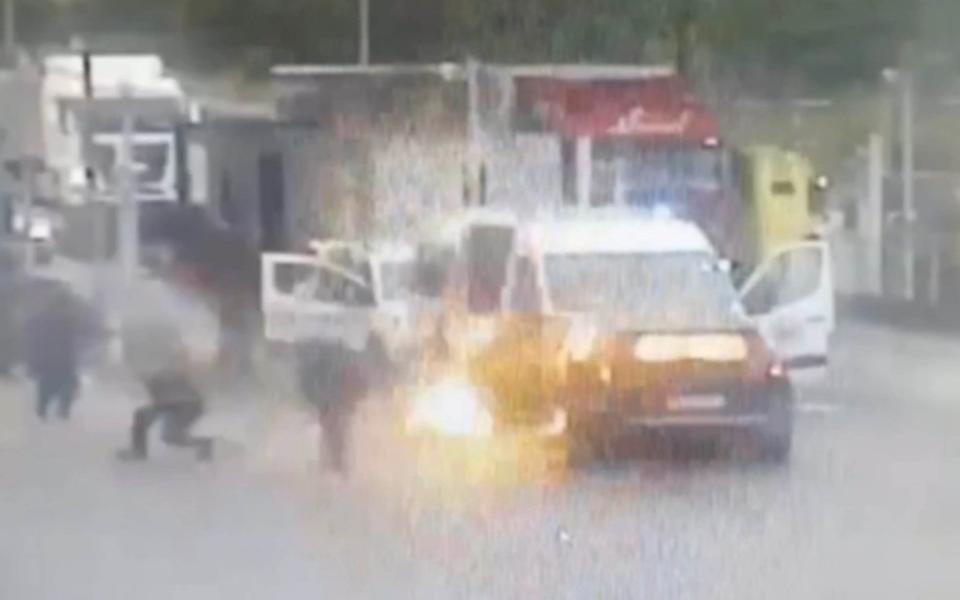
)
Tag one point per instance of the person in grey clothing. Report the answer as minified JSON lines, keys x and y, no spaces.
{"x":157,"y":332}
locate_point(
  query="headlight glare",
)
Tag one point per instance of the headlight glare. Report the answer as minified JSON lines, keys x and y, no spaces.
{"x":453,"y":408}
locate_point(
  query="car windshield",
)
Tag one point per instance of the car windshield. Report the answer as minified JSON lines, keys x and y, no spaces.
{"x":662,"y":291}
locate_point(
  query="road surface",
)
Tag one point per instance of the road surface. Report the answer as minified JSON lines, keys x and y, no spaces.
{"x":867,"y":508}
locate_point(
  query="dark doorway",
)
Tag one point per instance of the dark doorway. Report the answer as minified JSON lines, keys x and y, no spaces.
{"x":229,"y":209}
{"x":272,"y":203}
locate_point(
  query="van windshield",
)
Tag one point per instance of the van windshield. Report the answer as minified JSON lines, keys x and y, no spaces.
{"x":663,"y":291}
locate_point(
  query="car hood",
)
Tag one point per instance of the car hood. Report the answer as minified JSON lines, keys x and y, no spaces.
{"x":675,"y":321}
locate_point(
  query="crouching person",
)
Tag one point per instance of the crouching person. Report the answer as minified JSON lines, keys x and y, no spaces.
{"x":176,"y":401}
{"x":158,"y":336}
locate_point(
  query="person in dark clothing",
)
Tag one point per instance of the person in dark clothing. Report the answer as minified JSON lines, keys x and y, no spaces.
{"x":56,"y":336}
{"x":335,"y":378}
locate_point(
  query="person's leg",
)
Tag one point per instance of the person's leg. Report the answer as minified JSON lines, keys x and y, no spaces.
{"x":177,"y":428}
{"x":46,"y":389}
{"x":67,"y":393}
{"x":177,"y":423}
{"x":334,"y":425}
{"x":143,"y":418}
{"x":158,"y":389}
{"x":187,"y":409}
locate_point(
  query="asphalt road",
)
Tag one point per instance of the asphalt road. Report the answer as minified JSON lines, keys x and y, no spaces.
{"x":867,"y":508}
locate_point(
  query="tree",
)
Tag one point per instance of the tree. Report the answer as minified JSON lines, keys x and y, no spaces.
{"x":826,"y":42}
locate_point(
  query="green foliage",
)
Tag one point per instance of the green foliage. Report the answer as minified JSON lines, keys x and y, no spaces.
{"x":820,"y":41}
{"x":826,"y":42}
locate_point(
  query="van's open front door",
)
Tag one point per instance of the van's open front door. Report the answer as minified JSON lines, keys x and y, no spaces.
{"x":790,"y":297}
{"x":306,"y":297}
{"x":286,"y":282}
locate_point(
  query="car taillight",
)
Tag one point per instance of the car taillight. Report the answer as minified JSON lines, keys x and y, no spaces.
{"x":762,"y":364}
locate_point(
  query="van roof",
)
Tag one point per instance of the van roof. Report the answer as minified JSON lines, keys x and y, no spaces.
{"x":624,"y":235}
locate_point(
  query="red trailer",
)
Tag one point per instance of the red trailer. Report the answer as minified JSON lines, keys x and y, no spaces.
{"x":633,"y":136}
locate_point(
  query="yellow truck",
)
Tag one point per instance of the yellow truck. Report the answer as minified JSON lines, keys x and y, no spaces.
{"x":780,"y":192}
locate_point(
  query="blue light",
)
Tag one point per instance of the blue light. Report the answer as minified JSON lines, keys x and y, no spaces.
{"x":662,"y":211}
{"x":656,"y":210}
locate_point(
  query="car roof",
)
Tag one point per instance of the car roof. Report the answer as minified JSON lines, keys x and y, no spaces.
{"x":618,"y":235}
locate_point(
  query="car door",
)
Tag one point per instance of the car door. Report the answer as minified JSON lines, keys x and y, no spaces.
{"x":790,"y":299}
{"x":305,"y":297}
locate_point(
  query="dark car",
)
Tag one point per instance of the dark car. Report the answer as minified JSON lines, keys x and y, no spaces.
{"x":636,"y":327}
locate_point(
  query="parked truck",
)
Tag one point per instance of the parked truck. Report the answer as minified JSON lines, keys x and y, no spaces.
{"x":84,"y":100}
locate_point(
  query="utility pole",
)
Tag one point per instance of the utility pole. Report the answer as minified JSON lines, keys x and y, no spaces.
{"x":906,"y":139}
{"x":129,"y":217}
{"x":10,"y":31}
{"x":473,"y":132}
{"x":364,"y":32}
{"x":907,"y":172}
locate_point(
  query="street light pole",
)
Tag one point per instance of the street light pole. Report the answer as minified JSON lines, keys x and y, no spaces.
{"x":364,"y":32}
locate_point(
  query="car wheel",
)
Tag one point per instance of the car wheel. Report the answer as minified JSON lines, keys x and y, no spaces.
{"x":776,"y":436}
{"x":589,"y":440}
{"x":582,"y":448}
